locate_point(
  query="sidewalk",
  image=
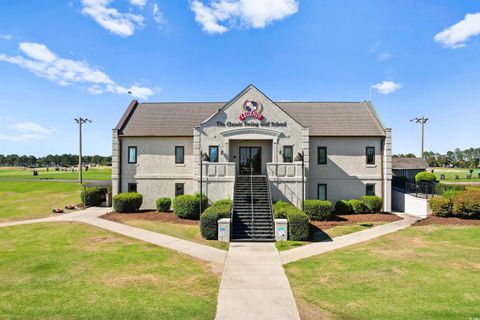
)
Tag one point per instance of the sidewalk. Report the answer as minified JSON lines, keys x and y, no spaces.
{"x":314,"y":249}
{"x":254,"y":285}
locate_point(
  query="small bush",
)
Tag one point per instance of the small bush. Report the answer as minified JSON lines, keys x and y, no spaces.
{"x":93,"y":196}
{"x":318,"y":209}
{"x":163,"y":204}
{"x":343,"y":207}
{"x":450,"y":194}
{"x":127,"y":202}
{"x":186,"y":207}
{"x":358,"y":206}
{"x":224,"y":202}
{"x":205,"y":201}
{"x":466,"y":204}
{"x":373,"y":203}
{"x":425,"y":176}
{"x":209,"y":219}
{"x":280,"y":209}
{"x":298,"y":224}
{"x":441,"y":207}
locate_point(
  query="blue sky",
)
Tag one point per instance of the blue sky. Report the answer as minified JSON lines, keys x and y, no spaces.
{"x":60,"y":60}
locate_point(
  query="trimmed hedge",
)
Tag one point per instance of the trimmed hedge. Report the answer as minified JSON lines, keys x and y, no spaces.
{"x":209,"y":219}
{"x":318,"y":209}
{"x":358,"y":206}
{"x":94,"y":195}
{"x":186,"y":207}
{"x":425,"y":176}
{"x":163,"y":204}
{"x":298,"y":224}
{"x":441,"y":207}
{"x":127,"y":202}
{"x":343,"y":207}
{"x":373,"y":203}
{"x":224,"y":202}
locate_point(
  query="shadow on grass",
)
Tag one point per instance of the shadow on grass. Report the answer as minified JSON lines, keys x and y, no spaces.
{"x":318,"y":235}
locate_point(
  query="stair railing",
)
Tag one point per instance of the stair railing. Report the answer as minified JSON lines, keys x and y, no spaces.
{"x":233,"y":205}
{"x":270,"y":201}
{"x":251,"y":200}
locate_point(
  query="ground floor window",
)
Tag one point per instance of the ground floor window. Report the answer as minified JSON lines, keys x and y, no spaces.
{"x":132,"y":187}
{"x":179,"y":189}
{"x":322,"y":192}
{"x":370,"y":189}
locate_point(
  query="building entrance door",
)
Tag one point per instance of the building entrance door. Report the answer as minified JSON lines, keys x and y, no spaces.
{"x":250,"y":160}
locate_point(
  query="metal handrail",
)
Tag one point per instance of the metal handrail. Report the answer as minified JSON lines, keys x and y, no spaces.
{"x":251,"y":199}
{"x":233,"y":205}
{"x":270,"y":195}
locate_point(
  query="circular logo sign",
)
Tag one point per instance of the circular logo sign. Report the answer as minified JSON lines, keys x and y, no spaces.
{"x":251,"y":109}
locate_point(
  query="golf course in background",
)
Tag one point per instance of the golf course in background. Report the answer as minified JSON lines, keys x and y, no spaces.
{"x":25,"y":196}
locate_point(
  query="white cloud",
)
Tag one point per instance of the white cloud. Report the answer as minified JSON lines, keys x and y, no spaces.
{"x":123,"y":24}
{"x":386,"y":87}
{"x":220,"y":15}
{"x":138,"y":3}
{"x":158,"y":15}
{"x":26,"y":132}
{"x":456,"y":35}
{"x":44,"y":63}
{"x":383,"y":56}
{"x":6,"y":36}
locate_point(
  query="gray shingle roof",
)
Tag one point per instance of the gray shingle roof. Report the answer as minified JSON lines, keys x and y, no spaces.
{"x":409,"y":163}
{"x":323,"y":118}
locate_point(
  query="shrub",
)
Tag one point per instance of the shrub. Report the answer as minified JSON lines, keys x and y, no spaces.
{"x":318,"y":209}
{"x":210,"y":217}
{"x":373,"y":203}
{"x":343,"y":207}
{"x":163,"y":204}
{"x":441,"y":207}
{"x":93,"y":196}
{"x":127,"y":202}
{"x":298,"y":224}
{"x":204,"y":201}
{"x":425,"y":176}
{"x":280,"y":209}
{"x":358,"y":206}
{"x":450,"y":194}
{"x":224,"y":202}
{"x":466,"y":204}
{"x":186,"y":207}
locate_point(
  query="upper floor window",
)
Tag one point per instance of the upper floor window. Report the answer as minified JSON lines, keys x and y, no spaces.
{"x":370,"y":189}
{"x":287,"y":153}
{"x":213,"y":153}
{"x":322,"y":192}
{"x":179,"y":154}
{"x":322,"y":155}
{"x":132,"y":154}
{"x":370,"y":152}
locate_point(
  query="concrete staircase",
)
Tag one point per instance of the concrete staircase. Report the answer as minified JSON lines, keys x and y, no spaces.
{"x":252,"y":210}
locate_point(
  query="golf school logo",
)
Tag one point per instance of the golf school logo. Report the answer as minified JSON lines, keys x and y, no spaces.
{"x":251,"y":109}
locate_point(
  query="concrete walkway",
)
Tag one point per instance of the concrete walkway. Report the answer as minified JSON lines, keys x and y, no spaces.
{"x":92,"y":214}
{"x":314,"y":249}
{"x":254,"y":285}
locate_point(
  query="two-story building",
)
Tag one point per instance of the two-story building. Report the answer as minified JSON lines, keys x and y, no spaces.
{"x":157,"y":148}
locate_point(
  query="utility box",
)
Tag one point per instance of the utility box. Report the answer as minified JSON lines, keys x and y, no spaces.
{"x":281,"y":229}
{"x":224,"y":230}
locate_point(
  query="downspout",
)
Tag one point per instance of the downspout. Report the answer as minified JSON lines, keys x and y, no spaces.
{"x":119,"y":164}
{"x":382,"y":169}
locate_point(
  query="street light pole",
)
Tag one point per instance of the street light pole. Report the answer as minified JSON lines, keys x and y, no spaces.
{"x":422,"y":120}
{"x":80,"y":121}
{"x":203,"y":157}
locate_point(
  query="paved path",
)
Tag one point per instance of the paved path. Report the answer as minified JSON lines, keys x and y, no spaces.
{"x":99,"y":182}
{"x":91,"y":216}
{"x":254,"y":285}
{"x":346,"y":240}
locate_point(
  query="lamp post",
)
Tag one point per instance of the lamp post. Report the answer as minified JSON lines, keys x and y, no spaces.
{"x":80,"y":121}
{"x":203,"y":157}
{"x":422,"y":120}
{"x":301,"y":157}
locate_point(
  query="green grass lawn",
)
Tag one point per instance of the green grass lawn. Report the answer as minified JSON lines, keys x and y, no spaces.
{"x":182,"y":231}
{"x":429,"y":272}
{"x":450,"y":174}
{"x":100,"y":173}
{"x":326,"y":234}
{"x":21,"y":200}
{"x":74,"y":271}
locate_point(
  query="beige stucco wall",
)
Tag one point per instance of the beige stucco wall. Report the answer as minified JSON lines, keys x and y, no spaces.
{"x":346,"y":173}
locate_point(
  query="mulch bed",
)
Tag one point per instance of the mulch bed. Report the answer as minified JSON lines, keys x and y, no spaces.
{"x":447,"y":221}
{"x":348,"y":219}
{"x":169,"y":217}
